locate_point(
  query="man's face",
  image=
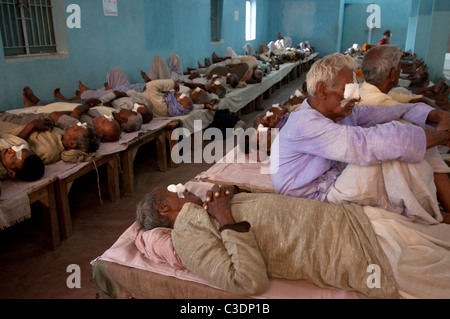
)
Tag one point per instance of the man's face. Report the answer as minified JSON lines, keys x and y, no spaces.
{"x":122,"y":116}
{"x":108,"y":131}
{"x":174,"y":201}
{"x":198,"y":96}
{"x":145,"y":112}
{"x":332,"y":105}
{"x":11,"y":161}
{"x":70,"y":133}
{"x":185,"y":101}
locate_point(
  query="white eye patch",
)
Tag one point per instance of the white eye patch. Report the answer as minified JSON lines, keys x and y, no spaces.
{"x":268,"y":114}
{"x":136,"y":106}
{"x":277,"y":106}
{"x":262,"y":128}
{"x":179,"y":189}
{"x":83,"y":125}
{"x":18,"y":150}
{"x":351,"y":93}
{"x":109,"y":118}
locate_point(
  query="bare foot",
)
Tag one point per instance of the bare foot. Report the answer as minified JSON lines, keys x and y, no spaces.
{"x":82,"y":87}
{"x":145,"y":77}
{"x":26,"y":101}
{"x":30,"y":95}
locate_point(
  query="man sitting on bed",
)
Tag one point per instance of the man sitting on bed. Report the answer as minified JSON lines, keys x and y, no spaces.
{"x":17,"y":161}
{"x":333,"y":150}
{"x":237,"y":241}
{"x":381,"y":69}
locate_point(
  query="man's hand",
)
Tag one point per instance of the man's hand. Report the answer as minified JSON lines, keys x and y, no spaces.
{"x":442,"y":118}
{"x":120,"y":94}
{"x":92,"y":102}
{"x":218,"y":204}
{"x":36,"y":125}
{"x":83,"y":108}
{"x":209,"y":106}
{"x":42,"y":124}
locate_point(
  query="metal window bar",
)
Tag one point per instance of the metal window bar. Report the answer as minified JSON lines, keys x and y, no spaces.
{"x":27,"y":27}
{"x":215,"y":22}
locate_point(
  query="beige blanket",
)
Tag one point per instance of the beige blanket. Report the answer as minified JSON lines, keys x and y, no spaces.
{"x":292,"y":238}
{"x":398,"y":187}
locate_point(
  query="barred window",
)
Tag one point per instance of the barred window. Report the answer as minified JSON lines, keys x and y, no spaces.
{"x":27,"y":27}
{"x":216,"y":20}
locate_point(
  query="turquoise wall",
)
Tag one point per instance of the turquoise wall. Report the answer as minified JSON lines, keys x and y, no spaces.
{"x":141,"y":30}
{"x":145,"y":28}
{"x":315,"y":21}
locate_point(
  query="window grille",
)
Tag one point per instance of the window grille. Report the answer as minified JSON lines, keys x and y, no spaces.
{"x":27,"y":27}
{"x":216,"y":6}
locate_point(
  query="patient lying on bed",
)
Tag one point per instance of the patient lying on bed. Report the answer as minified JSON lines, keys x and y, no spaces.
{"x":237,"y":241}
{"x":17,"y":161}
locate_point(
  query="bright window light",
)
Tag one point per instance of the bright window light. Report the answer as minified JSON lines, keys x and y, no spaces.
{"x":250,"y":20}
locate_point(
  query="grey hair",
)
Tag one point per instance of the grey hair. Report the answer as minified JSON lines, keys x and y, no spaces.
{"x":326,"y":69}
{"x":147,"y":216}
{"x":133,"y":124}
{"x":379,"y":61}
{"x":89,"y":142}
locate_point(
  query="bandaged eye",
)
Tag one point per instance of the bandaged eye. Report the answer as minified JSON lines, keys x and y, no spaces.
{"x":351,"y":93}
{"x":269,"y":114}
{"x":18,"y":150}
{"x":262,"y":128}
{"x":136,"y":107}
{"x":179,"y":189}
{"x":83,"y":125}
{"x":108,"y":117}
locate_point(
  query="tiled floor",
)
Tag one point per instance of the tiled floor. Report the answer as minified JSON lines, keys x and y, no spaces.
{"x":30,"y":271}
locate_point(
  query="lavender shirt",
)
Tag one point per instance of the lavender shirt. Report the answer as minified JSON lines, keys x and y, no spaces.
{"x":311,"y":151}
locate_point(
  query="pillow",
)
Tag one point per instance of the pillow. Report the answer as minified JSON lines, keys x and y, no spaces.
{"x":156,"y":245}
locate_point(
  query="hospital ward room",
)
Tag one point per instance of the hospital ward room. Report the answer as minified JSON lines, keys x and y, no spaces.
{"x":210,"y":151}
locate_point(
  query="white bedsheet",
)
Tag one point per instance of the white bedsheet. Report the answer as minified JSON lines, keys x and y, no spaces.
{"x":14,"y":202}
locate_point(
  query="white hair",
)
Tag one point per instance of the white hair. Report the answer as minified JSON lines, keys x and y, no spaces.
{"x":326,"y":70}
{"x":379,"y":62}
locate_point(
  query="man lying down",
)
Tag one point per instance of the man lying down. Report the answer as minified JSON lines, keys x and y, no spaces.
{"x":237,"y":241}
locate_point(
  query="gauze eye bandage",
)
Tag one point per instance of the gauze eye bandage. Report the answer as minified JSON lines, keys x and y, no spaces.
{"x":18,"y":150}
{"x":83,"y":125}
{"x":179,"y":189}
{"x":109,"y":118}
{"x":268,"y":114}
{"x":136,"y":107}
{"x":351,"y":93}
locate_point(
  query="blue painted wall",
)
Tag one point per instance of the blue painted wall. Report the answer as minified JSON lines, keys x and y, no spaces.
{"x":146,"y":28}
{"x":141,"y":30}
{"x":315,"y":21}
{"x":394,"y":15}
